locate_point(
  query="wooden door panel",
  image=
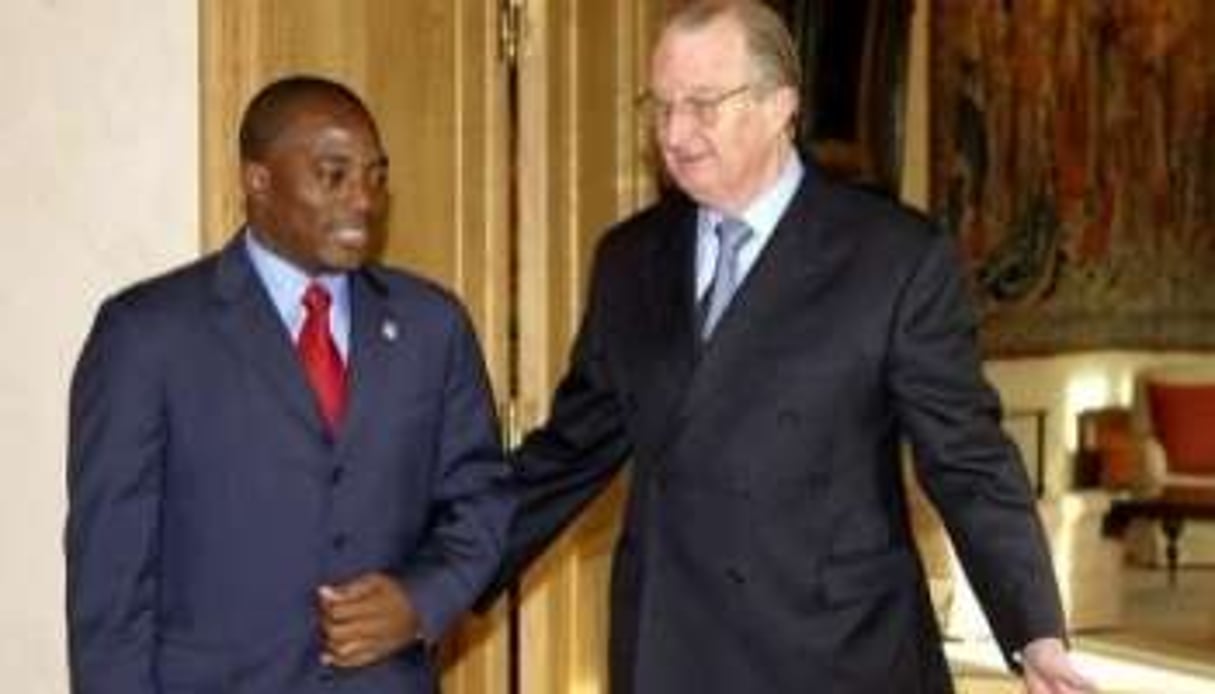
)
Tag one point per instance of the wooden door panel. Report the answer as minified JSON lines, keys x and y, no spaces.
{"x":583,"y":162}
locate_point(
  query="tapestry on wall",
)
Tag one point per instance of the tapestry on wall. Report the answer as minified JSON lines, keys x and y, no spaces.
{"x":1074,"y":156}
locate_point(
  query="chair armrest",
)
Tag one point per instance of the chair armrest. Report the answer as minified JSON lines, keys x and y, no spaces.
{"x":1175,"y":479}
{"x":1155,"y":470}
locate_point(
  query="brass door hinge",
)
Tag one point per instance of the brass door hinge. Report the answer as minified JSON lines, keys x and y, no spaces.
{"x":510,"y":30}
{"x":511,"y":415}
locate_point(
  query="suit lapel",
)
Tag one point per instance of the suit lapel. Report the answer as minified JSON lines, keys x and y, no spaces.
{"x":670,"y":283}
{"x":791,"y":266}
{"x":245,"y":317}
{"x":374,"y":332}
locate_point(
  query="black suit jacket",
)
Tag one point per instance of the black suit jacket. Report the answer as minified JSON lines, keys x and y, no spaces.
{"x":766,"y":545}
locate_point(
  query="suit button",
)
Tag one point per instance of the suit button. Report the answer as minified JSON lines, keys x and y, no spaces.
{"x":335,"y":477}
{"x":339,"y":541}
{"x":736,"y":577}
{"x":818,"y":480}
{"x":788,"y":419}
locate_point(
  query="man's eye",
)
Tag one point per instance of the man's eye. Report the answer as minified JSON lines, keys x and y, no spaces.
{"x":700,"y":106}
{"x":378,"y":177}
{"x":333,"y":177}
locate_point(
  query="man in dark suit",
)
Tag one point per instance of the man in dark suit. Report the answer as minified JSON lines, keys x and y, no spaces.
{"x":758,"y":344}
{"x":284,"y":471}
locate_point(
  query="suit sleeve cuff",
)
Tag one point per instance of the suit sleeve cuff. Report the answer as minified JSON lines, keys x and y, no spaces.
{"x":437,"y":599}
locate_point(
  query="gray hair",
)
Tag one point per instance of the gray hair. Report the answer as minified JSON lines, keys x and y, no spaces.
{"x":771,"y":47}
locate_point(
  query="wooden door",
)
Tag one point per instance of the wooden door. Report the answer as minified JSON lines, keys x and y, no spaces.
{"x":583,"y":164}
{"x":429,"y":70}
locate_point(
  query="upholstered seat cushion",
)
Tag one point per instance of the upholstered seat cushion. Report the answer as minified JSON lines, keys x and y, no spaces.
{"x":1183,"y":419}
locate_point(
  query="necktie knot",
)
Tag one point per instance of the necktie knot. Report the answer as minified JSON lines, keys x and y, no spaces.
{"x":316,"y":298}
{"x":732,"y":235}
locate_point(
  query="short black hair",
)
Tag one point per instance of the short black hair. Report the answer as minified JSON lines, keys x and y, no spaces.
{"x":269,"y":111}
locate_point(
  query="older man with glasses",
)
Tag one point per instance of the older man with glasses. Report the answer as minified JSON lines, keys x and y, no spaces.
{"x":758,"y":344}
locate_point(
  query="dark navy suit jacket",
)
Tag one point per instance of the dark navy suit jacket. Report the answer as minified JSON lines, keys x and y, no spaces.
{"x":207,"y":503}
{"x":766,"y":544}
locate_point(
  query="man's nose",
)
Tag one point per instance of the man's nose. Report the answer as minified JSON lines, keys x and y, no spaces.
{"x":677,"y":126}
{"x":363,"y":195}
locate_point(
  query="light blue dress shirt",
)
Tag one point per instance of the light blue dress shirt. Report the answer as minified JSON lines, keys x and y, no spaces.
{"x":762,"y":215}
{"x":286,"y":284}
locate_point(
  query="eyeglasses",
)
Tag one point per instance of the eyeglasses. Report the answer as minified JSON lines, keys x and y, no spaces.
{"x":704,"y":110}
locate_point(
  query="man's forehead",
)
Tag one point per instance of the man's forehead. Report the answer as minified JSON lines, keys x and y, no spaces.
{"x":343,"y":155}
{"x":325,"y":129}
{"x":704,"y":56}
{"x":327,"y":112}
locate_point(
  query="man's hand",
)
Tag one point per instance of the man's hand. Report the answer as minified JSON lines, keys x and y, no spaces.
{"x":365,"y":620}
{"x":1048,"y":669}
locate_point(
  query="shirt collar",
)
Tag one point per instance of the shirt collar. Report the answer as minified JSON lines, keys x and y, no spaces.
{"x":286,"y":283}
{"x":763,"y":213}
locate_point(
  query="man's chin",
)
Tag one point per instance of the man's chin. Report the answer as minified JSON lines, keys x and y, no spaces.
{"x":692,"y":180}
{"x":348,"y":250}
{"x":345,"y":259}
{"x":698,"y":191}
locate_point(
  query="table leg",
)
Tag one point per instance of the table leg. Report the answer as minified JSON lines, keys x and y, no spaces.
{"x":1172,"y":533}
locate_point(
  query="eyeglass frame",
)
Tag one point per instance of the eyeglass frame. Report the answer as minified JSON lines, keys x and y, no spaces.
{"x":704,"y":110}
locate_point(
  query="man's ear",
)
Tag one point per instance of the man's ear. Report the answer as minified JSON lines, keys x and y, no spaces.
{"x":786,"y":100}
{"x":255,"y":178}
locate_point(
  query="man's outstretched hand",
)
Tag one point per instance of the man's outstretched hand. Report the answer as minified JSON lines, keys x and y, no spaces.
{"x":1047,"y":669}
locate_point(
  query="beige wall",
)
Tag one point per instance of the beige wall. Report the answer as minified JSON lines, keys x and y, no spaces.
{"x":98,"y":186}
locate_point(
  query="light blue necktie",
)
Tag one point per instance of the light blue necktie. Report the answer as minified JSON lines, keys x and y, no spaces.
{"x":732,"y":234}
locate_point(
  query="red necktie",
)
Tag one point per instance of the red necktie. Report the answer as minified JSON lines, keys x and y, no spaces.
{"x":320,"y":355}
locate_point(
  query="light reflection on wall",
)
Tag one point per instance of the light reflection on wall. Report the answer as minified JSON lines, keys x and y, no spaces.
{"x":1085,"y":390}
